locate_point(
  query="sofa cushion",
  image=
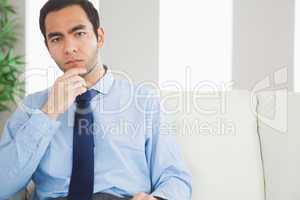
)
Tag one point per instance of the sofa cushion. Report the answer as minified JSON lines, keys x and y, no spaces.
{"x":218,"y":136}
{"x":279,"y":129}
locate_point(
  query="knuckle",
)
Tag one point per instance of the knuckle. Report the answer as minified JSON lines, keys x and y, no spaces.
{"x":77,"y":78}
{"x":81,"y":79}
{"x":140,"y":194}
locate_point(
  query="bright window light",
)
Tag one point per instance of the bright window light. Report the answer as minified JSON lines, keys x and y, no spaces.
{"x":297,"y":48}
{"x":195,"y":45}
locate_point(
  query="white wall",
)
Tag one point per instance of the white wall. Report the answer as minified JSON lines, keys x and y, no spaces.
{"x":263,"y":41}
{"x":131,"y":44}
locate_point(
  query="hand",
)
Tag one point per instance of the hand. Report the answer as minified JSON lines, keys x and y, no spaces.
{"x":143,"y":196}
{"x":64,"y":91}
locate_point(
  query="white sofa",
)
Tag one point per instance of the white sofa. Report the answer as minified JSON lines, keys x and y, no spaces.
{"x":238,"y":146}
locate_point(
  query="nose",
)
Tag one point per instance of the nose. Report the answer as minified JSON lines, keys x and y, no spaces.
{"x":70,"y":47}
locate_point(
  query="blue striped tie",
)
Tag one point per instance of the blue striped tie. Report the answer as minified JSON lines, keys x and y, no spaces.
{"x":82,"y":178}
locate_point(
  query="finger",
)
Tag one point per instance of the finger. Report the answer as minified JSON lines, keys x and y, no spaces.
{"x":77,"y":85}
{"x":139,"y":196}
{"x":148,"y":197}
{"x":151,"y":198}
{"x":80,"y":90}
{"x":70,"y":83}
{"x":74,"y":71}
{"x":73,"y":92}
{"x":75,"y":79}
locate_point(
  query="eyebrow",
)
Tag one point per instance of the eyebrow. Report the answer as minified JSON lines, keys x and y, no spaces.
{"x":72,"y":30}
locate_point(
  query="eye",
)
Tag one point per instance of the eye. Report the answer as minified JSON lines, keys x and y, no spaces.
{"x":80,"y":34}
{"x":55,"y":40}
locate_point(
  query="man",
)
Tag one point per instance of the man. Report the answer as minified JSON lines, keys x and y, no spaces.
{"x":66,"y":138}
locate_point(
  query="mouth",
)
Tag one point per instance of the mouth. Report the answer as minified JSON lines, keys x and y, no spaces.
{"x":72,"y":62}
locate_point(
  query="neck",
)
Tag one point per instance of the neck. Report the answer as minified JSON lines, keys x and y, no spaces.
{"x":93,"y":76}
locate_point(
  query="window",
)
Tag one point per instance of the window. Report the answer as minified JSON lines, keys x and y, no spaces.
{"x":195,"y":42}
{"x":297,"y":48}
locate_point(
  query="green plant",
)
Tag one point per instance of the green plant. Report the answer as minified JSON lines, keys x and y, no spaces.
{"x":11,"y":66}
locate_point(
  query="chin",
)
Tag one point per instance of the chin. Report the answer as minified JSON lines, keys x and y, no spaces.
{"x":75,"y":67}
{"x":80,"y":67}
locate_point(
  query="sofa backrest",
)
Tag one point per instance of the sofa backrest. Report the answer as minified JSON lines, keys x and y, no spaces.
{"x":218,"y":136}
{"x":279,"y":129}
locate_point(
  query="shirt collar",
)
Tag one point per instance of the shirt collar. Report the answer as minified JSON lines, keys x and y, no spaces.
{"x":105,"y":83}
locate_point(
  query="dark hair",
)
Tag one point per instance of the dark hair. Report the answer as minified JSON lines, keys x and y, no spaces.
{"x":55,"y":5}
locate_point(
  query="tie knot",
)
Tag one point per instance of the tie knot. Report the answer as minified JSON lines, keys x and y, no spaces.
{"x":86,"y":97}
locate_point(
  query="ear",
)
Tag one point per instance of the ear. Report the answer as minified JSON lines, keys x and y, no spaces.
{"x":100,"y":33}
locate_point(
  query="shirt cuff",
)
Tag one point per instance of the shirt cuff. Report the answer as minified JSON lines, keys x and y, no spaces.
{"x":43,"y":125}
{"x":159,"y":198}
{"x":159,"y":195}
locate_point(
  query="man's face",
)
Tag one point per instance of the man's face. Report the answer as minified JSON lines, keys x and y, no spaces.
{"x":71,"y":39}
